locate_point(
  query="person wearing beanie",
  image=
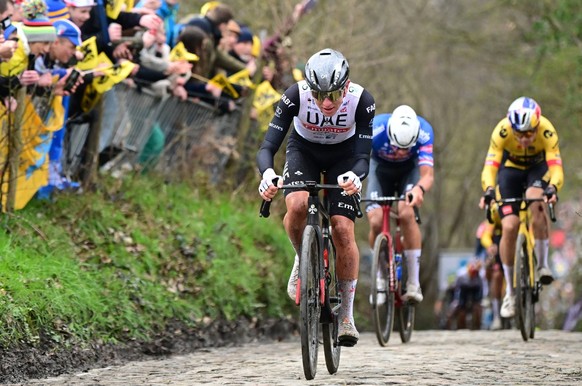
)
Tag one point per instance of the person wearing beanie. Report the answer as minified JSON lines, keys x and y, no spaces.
{"x":242,"y":49}
{"x":57,"y":10}
{"x":36,"y":27}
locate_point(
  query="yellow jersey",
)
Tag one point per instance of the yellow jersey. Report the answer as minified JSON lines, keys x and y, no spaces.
{"x":505,"y":148}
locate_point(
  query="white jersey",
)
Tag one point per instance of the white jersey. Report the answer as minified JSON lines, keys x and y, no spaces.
{"x":313,"y":126}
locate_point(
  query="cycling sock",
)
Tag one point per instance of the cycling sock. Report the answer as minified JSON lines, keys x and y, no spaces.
{"x":495,"y":308}
{"x":508,"y":273}
{"x":347,"y":290}
{"x":413,"y":264}
{"x":541,"y":248}
{"x":483,"y":277}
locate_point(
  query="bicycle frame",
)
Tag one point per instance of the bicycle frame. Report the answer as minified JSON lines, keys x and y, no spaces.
{"x":394,"y":244}
{"x":525,"y":230}
{"x":527,"y":287}
{"x":385,"y":269}
{"x":317,"y":297}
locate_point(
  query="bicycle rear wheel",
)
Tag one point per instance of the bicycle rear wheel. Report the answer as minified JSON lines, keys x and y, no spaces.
{"x":406,"y":311}
{"x":382,"y":297}
{"x":523,"y":289}
{"x":310,"y":306}
{"x":329,"y":330}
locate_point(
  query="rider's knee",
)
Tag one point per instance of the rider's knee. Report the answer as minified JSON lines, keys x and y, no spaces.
{"x":406,"y":216}
{"x":343,"y":230}
{"x":510,"y":226}
{"x":296,"y":207}
{"x":375,"y":220}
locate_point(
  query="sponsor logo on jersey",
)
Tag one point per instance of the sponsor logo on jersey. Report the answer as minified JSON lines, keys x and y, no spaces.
{"x":423,"y":136}
{"x":287,"y":101}
{"x":276,"y":127}
{"x":316,"y":119}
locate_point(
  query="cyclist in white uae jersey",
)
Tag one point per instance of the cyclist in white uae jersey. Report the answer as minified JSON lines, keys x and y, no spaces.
{"x":331,"y":135}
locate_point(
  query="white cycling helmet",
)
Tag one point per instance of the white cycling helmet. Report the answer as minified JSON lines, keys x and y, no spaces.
{"x":524,"y":114}
{"x":403,"y":127}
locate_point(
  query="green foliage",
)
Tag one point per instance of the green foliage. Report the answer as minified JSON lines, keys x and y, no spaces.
{"x":123,"y":262}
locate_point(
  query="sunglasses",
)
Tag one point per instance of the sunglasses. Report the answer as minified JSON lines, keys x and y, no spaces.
{"x":331,"y":95}
{"x":524,"y":134}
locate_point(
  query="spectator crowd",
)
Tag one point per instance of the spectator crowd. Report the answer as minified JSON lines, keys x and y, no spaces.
{"x":59,"y":58}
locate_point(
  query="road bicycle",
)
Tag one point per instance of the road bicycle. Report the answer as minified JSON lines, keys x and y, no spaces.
{"x":317,"y":287}
{"x":527,"y":285}
{"x":389,"y":276}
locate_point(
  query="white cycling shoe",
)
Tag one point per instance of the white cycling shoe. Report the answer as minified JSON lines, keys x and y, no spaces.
{"x":508,"y":306}
{"x":292,"y":283}
{"x":413,"y":294}
{"x":381,"y":296}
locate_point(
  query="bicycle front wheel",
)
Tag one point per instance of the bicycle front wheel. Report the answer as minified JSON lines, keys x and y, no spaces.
{"x":310,"y":306}
{"x":406,"y":311}
{"x":523,"y":288}
{"x":382,"y":298}
{"x":331,"y":349}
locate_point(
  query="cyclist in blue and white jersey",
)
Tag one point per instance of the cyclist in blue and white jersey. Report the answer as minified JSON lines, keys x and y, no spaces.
{"x":331,"y":135}
{"x":401,"y":163}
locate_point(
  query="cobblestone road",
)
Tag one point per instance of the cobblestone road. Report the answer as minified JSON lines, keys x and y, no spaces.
{"x":430,"y":358}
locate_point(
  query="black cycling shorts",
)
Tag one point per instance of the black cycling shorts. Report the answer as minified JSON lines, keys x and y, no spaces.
{"x":514,"y":182}
{"x":391,"y":179}
{"x":307,"y":161}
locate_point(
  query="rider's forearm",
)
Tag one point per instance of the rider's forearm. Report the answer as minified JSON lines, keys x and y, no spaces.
{"x":556,"y":175}
{"x":426,"y":178}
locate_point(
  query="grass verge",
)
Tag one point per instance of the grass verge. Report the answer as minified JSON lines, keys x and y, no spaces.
{"x":122,"y":262}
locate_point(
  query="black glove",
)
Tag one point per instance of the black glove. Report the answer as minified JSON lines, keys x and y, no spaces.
{"x":550,"y":191}
{"x":489,"y":195}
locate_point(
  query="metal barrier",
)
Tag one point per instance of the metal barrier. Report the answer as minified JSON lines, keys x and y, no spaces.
{"x":197,"y":136}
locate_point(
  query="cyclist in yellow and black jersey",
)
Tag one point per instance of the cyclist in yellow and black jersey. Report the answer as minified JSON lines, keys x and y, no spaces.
{"x":523,"y":156}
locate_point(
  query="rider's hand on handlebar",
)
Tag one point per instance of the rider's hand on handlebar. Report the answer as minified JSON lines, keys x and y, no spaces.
{"x":417,"y":196}
{"x":350,"y":183}
{"x":488,"y":196}
{"x":550,"y":194}
{"x":267,"y":187}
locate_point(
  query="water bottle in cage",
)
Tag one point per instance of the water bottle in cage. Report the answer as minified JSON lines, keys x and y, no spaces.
{"x":398,"y":264}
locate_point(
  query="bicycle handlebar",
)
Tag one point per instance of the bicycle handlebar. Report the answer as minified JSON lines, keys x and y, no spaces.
{"x":309,"y":186}
{"x":391,"y":199}
{"x":519,"y":200}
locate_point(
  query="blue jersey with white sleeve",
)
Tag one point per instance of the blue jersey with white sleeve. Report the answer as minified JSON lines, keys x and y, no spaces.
{"x":383,"y":151}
